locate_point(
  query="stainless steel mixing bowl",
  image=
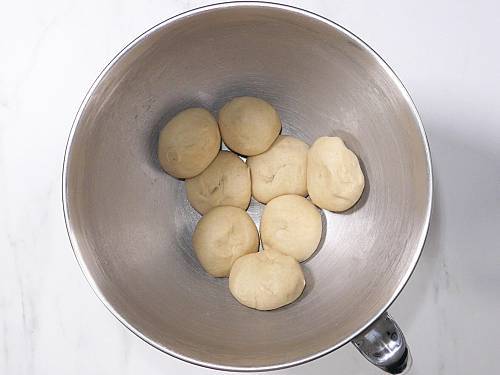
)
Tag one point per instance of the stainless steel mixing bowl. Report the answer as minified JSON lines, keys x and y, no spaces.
{"x":130,"y":224}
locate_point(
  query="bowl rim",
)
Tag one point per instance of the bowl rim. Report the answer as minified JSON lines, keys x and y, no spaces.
{"x":223,"y":5}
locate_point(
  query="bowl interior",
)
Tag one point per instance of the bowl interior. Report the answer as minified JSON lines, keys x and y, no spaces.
{"x":131,"y":224}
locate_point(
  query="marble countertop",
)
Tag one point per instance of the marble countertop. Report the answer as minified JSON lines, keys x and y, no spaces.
{"x":446,"y":52}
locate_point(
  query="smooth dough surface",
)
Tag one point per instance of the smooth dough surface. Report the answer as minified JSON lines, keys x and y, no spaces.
{"x":223,"y":235}
{"x":280,"y":170}
{"x":335,"y":180}
{"x":291,"y":225}
{"x":225,"y":182}
{"x":249,"y":125}
{"x":188,"y":143}
{"x":266,"y":280}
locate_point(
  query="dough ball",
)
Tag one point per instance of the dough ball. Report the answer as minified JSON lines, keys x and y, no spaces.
{"x":223,"y":235}
{"x":249,"y":125}
{"x":280,"y":170}
{"x":266,"y":280}
{"x":226,"y":182}
{"x":188,"y":143}
{"x":291,"y":225}
{"x":334,"y":178}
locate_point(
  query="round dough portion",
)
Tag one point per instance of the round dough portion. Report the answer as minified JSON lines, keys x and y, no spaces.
{"x":249,"y":125}
{"x":226,"y":182}
{"x":291,"y":225}
{"x":335,"y":180}
{"x":223,"y":235}
{"x":280,"y":170}
{"x":266,"y":280}
{"x":188,"y":143}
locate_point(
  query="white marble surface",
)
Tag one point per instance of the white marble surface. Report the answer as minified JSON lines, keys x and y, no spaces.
{"x":446,"y":52}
